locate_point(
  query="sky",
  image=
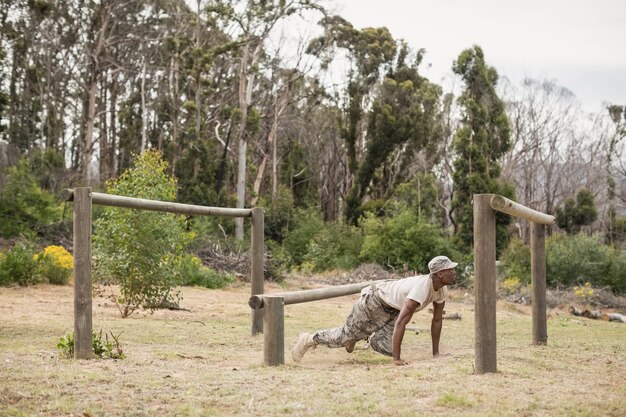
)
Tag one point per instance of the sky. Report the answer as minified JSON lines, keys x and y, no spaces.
{"x":577,"y":44}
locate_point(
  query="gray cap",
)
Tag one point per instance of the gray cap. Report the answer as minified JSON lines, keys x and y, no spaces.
{"x":439,"y":263}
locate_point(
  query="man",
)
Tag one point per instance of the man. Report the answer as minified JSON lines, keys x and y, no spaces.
{"x":383,"y":311}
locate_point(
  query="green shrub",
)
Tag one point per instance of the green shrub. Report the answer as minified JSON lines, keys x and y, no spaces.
{"x":193,"y":272}
{"x":616,"y":272}
{"x":334,"y":246}
{"x":55,"y":265}
{"x":104,"y":349}
{"x":404,"y":243}
{"x":17,"y":265}
{"x":141,"y":250}
{"x":278,"y":215}
{"x":24,"y":203}
{"x":516,"y":261}
{"x":307,"y":223}
{"x":576,"y":259}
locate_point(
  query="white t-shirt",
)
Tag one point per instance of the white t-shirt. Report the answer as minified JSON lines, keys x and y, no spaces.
{"x":418,"y":288}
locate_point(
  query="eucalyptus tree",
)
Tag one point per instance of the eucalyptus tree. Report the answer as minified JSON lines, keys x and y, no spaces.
{"x":404,"y":121}
{"x":253,"y":21}
{"x":22,"y":24}
{"x":391,"y":112}
{"x":482,"y":139}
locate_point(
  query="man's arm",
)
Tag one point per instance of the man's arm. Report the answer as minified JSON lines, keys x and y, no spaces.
{"x":406,"y":313}
{"x":435,"y":326}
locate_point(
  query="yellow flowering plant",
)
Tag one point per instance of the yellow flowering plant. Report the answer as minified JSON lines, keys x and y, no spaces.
{"x":584,"y":292}
{"x":55,"y":264}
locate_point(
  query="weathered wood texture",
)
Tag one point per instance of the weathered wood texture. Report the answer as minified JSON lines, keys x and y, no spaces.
{"x":258,"y":260}
{"x":538,"y":275}
{"x":505,"y":205}
{"x":295,"y":297}
{"x":274,"y":337}
{"x":83,"y":199}
{"x":485,"y":284}
{"x":164,"y":206}
{"x":82,"y":274}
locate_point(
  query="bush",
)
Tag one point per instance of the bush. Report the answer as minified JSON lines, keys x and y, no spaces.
{"x":104,"y":349}
{"x":193,"y":272}
{"x":141,"y":251}
{"x":307,"y":223}
{"x":576,"y":259}
{"x":278,"y":216}
{"x":516,"y":261}
{"x":17,"y":265}
{"x":616,"y":272}
{"x":404,"y":243}
{"x":24,"y":203}
{"x":55,"y":264}
{"x":334,"y":246}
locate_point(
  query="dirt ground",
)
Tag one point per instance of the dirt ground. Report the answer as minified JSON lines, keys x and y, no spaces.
{"x":205,"y":362}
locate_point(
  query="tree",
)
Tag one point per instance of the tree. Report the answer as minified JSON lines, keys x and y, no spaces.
{"x":577,"y":213}
{"x":140,"y":250}
{"x":618,"y":117}
{"x":24,"y":206}
{"x":255,"y":25}
{"x":481,"y":140}
{"x":543,"y":117}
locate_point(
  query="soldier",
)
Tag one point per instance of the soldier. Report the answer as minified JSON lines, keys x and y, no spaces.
{"x":383,"y":311}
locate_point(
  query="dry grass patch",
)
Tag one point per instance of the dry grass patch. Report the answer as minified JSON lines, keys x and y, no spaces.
{"x":204,"y":362}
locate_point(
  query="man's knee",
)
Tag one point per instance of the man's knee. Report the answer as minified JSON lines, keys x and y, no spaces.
{"x":380,"y":344}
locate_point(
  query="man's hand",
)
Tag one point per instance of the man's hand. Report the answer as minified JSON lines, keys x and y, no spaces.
{"x":400,"y":362}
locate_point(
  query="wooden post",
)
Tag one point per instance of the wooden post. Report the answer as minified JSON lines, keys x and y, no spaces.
{"x":258,"y":261}
{"x":305,"y":296}
{"x":538,"y":273}
{"x":485,"y":284}
{"x":274,"y":337}
{"x":82,"y":274}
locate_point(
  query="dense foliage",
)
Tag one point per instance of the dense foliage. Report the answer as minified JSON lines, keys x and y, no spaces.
{"x":380,"y":166}
{"x":571,"y":260}
{"x":140,"y":250}
{"x":480,"y":142}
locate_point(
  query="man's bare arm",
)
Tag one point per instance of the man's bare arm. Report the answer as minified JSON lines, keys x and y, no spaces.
{"x":435,"y":326}
{"x":406,"y":313}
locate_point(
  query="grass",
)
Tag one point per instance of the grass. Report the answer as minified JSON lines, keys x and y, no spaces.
{"x":204,"y":362}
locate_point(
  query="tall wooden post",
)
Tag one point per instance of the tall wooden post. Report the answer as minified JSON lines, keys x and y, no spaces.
{"x":82,"y":274}
{"x":538,"y":273}
{"x":274,"y":337}
{"x":258,"y":261}
{"x":485,"y":283}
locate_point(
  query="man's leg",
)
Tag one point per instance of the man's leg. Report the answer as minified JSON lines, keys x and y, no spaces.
{"x":380,"y":340}
{"x":367,"y":316}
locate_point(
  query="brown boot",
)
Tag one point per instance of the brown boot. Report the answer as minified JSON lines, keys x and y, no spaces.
{"x":350,"y":346}
{"x":304,"y":343}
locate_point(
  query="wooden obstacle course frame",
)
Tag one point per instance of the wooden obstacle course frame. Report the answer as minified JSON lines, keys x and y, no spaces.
{"x":274,"y":314}
{"x":83,"y":198}
{"x":485,"y":274}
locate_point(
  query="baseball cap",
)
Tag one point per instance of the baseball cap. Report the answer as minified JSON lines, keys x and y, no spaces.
{"x":439,"y":263}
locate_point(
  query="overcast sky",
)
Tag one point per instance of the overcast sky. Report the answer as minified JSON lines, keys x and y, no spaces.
{"x":579,"y":44}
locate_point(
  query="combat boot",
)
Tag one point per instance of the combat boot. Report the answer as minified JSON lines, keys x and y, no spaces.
{"x":304,"y":343}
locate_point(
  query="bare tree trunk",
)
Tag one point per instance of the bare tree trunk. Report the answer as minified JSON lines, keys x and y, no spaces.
{"x":246,"y":83}
{"x":92,"y":89}
{"x":144,"y":111}
{"x":279,"y":109}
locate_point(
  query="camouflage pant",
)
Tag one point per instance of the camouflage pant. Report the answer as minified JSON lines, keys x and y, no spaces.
{"x":370,"y":318}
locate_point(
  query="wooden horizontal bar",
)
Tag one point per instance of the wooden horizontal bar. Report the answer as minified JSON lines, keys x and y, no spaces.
{"x":295,"y":297}
{"x":505,"y":205}
{"x":155,"y":205}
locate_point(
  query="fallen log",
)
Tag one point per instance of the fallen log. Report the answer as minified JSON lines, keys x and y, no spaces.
{"x":597,"y":315}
